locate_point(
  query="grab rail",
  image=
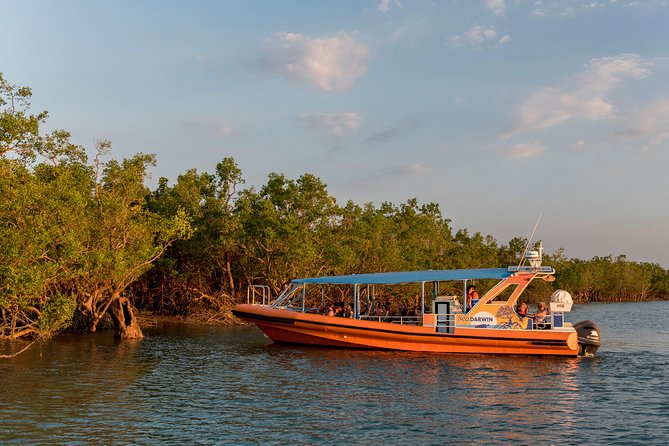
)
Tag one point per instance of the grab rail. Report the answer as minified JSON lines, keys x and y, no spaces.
{"x":262,"y":291}
{"x":393,"y":319}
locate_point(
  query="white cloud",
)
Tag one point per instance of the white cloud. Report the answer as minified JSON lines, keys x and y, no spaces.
{"x":223,"y":128}
{"x":569,"y":9}
{"x":335,"y":124}
{"x":648,"y":120}
{"x":331,"y":63}
{"x":525,"y":150}
{"x":497,"y":7}
{"x":578,"y":145}
{"x":582,"y":96}
{"x":649,"y":125}
{"x":540,"y":12}
{"x":594,"y":5}
{"x":479,"y":37}
{"x":568,"y":12}
{"x":384,"y":5}
{"x":505,"y":39}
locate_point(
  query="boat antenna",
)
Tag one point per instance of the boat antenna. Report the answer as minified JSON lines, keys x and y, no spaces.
{"x":529,"y":240}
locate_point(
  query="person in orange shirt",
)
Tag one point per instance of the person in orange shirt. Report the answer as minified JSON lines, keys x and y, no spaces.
{"x":472,"y":296}
{"x":522,"y":309}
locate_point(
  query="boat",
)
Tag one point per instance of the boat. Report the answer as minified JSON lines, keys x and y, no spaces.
{"x":440,"y":322}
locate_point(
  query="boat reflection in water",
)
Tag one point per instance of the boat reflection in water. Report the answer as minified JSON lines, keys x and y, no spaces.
{"x":465,"y":395}
{"x":438,"y":323}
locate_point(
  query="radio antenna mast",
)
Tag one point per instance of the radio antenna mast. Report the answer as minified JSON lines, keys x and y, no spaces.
{"x":522,"y":257}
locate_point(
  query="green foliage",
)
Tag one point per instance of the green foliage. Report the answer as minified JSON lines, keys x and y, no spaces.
{"x":57,"y":314}
{"x":284,"y":228}
{"x":474,"y":251}
{"x":204,"y":262}
{"x":72,"y":234}
{"x":19,"y":132}
{"x":294,"y":228}
{"x":612,"y":279}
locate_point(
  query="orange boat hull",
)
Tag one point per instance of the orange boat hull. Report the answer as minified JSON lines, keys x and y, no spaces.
{"x":285,"y":326}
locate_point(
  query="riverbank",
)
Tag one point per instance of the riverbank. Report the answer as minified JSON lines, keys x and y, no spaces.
{"x":222,"y":317}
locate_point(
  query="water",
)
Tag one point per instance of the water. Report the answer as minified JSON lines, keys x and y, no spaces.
{"x":189,"y":385}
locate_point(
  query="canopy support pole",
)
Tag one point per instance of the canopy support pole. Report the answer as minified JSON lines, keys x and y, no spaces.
{"x":422,"y":297}
{"x":356,"y":303}
{"x":304,"y":295}
{"x":464,"y":293}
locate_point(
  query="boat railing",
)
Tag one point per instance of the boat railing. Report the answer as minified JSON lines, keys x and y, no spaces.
{"x":546,"y":324}
{"x":405,"y":320}
{"x":261,"y":293}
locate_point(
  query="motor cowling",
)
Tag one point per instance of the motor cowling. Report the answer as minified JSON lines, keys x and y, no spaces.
{"x":589,"y":338}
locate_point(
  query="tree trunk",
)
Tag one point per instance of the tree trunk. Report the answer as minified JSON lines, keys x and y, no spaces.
{"x":228,"y":270}
{"x":125,"y":322}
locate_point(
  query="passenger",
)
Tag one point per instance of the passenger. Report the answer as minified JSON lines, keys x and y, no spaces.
{"x":413,"y":312}
{"x":388,"y":312}
{"x":348,"y":311}
{"x":522,"y":309}
{"x":403,"y":310}
{"x":541,"y":314}
{"x":472,"y":296}
{"x":330,"y":311}
{"x":339,"y":309}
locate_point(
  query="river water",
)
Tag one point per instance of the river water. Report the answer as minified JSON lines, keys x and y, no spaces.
{"x":194,"y":385}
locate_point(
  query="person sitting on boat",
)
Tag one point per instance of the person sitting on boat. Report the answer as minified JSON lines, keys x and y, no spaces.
{"x":348,"y":311}
{"x":472,"y":296}
{"x":388,"y":312}
{"x":522,"y":309}
{"x":541,"y":314}
{"x":330,"y":311}
{"x":404,"y":310}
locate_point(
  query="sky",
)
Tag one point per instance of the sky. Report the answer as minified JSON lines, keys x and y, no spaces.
{"x":500,"y":111}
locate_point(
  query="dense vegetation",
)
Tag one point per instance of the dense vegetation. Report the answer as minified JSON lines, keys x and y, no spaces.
{"x":82,"y":239}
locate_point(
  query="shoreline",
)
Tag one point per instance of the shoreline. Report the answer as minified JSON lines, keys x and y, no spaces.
{"x":221,"y":318}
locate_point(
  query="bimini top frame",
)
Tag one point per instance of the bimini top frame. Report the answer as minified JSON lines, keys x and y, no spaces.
{"x":290,"y":295}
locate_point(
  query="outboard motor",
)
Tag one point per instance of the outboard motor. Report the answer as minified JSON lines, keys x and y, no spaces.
{"x":588,"y":338}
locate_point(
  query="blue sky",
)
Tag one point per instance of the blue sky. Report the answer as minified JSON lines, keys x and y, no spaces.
{"x":498,"y":110}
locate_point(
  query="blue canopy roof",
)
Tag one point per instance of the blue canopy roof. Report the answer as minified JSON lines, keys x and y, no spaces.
{"x":410,"y":277}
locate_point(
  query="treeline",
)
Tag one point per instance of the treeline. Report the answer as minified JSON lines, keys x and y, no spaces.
{"x":82,"y":239}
